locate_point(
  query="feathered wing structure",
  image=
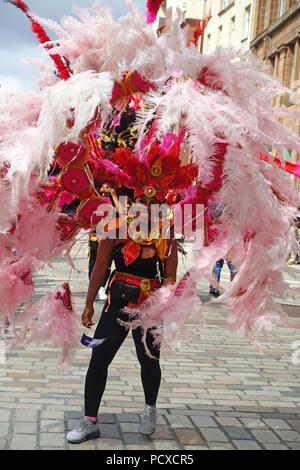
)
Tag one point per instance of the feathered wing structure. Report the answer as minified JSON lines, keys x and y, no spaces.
{"x":55,"y":322}
{"x":266,"y":203}
{"x":152,"y":9}
{"x":62,"y":64}
{"x":60,"y":144}
{"x":165,"y":313}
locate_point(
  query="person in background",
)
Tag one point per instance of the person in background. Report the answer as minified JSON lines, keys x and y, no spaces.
{"x":294,"y":257}
{"x":214,"y":291}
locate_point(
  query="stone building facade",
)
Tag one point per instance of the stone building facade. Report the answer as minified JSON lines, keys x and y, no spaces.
{"x":276,"y":42}
{"x":229,"y":26}
{"x":270,"y":29}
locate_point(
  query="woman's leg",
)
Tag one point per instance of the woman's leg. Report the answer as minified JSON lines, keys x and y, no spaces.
{"x":150,"y":368}
{"x":96,"y":377}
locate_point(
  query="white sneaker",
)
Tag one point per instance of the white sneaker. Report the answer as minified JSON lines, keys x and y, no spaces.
{"x":87,"y":429}
{"x":101,"y":294}
{"x":148,"y":423}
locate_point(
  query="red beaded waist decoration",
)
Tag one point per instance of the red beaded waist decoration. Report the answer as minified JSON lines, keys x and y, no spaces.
{"x":147,"y":286}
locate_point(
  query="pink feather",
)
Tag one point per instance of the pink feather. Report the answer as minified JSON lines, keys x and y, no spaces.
{"x":55,"y":324}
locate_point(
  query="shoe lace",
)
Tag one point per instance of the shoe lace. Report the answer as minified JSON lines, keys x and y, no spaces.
{"x":149,"y":414}
{"x":83,"y":424}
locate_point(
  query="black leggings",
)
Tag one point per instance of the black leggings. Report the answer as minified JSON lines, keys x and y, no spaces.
{"x":102,"y":356}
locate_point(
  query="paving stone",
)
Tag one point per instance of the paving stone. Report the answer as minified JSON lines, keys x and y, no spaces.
{"x":265,"y":436}
{"x":25,"y":428}
{"x":129,"y":427}
{"x":193,"y":412}
{"x":26,"y":415}
{"x":278,"y":416}
{"x":3,"y":444}
{"x":23,"y":442}
{"x":295,"y":423}
{"x":275,"y":446}
{"x":220,"y":446}
{"x":204,"y":421}
{"x":293,"y":445}
{"x":161,"y":420}
{"x":254,"y":409}
{"x":88,"y":445}
{"x":57,"y":415}
{"x":109,"y":431}
{"x":134,"y":438}
{"x":244,"y":387}
{"x":246,"y":445}
{"x":195,"y":448}
{"x":52,"y":426}
{"x":162,"y":432}
{"x":254,"y":423}
{"x":236,"y":432}
{"x":228,"y":421}
{"x":213,"y":435}
{"x":5,"y":415}
{"x":277,"y":424}
{"x":128,"y":418}
{"x":107,"y":418}
{"x":289,"y":436}
{"x":180,"y":421}
{"x":238,"y":414}
{"x":188,"y":437}
{"x":292,"y":410}
{"x":109,"y":444}
{"x":165,"y":445}
{"x":213,"y":407}
{"x":52,"y":439}
{"x":4,"y":427}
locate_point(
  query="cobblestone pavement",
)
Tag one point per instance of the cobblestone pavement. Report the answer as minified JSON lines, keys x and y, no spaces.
{"x":217,"y":391}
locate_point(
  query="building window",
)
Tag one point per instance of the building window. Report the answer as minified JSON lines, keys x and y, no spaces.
{"x":272,"y":62}
{"x":232,"y":29}
{"x":281,"y":8}
{"x":292,"y":66}
{"x":208,"y":42}
{"x":220,"y":34}
{"x":247,"y":22}
{"x":266,"y":9}
{"x":232,"y":24}
{"x":224,"y":4}
{"x":287,"y":154}
{"x":291,"y":84}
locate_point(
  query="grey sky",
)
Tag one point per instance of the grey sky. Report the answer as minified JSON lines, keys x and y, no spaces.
{"x":18,"y":42}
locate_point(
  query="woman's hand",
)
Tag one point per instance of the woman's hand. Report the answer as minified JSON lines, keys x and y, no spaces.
{"x":87,"y":315}
{"x":112,"y":191}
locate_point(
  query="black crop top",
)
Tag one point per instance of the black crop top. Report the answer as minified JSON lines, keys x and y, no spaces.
{"x":142,"y":267}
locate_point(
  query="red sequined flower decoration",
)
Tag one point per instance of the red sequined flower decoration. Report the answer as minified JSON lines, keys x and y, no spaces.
{"x":71,"y":152}
{"x":87,"y":211}
{"x":75,"y":180}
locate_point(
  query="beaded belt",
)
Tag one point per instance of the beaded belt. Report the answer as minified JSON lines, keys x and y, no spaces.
{"x":146,"y":285}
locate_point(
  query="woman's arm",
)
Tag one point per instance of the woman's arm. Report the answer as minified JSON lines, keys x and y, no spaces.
{"x":170,"y":264}
{"x":103,"y":262}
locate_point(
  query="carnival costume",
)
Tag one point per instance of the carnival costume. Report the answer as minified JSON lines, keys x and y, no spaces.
{"x":221,"y":106}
